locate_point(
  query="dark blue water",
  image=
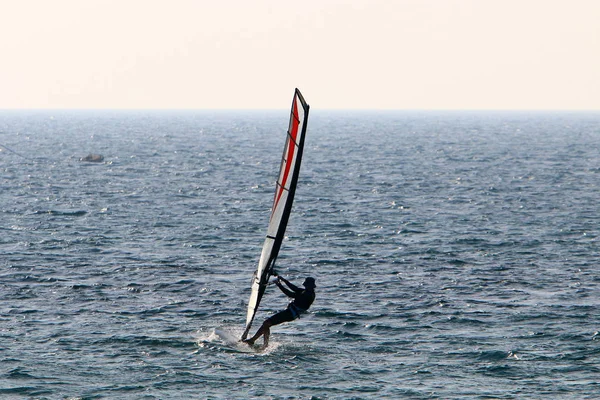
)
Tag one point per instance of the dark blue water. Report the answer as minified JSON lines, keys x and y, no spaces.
{"x":456,"y":255}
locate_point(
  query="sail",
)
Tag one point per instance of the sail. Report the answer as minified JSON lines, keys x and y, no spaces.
{"x":282,"y":203}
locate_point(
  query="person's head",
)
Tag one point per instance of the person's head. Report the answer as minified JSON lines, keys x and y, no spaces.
{"x":309,"y":283}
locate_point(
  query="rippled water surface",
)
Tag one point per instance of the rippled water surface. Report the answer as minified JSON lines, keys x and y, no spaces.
{"x":456,"y":255}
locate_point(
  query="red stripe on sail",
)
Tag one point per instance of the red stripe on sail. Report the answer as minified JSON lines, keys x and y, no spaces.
{"x":290,"y":154}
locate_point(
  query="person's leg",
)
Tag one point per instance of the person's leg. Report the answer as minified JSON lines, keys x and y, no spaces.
{"x":261,"y":331}
{"x":266,"y":334}
{"x":279,"y":318}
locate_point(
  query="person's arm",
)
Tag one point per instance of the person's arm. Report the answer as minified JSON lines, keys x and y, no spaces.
{"x":287,"y":292}
{"x":290,"y":285}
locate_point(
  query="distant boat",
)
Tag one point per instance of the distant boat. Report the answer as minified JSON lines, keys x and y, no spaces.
{"x":282,"y":203}
{"x":93,"y":158}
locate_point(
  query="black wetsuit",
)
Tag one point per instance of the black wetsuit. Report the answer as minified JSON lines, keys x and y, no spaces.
{"x":303,"y":298}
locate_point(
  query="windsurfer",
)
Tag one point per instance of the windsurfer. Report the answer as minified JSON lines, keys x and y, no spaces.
{"x":303,"y":298}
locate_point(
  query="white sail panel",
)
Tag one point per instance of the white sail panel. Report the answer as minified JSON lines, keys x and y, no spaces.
{"x":256,"y":281}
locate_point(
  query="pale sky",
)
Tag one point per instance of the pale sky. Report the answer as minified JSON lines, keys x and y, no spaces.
{"x":342,"y":54}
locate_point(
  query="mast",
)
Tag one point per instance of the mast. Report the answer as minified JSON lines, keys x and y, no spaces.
{"x":285,"y":189}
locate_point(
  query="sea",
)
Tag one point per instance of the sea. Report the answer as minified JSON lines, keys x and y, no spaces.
{"x":455,"y":254}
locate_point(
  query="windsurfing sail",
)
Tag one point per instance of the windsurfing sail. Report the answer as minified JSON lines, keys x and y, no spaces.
{"x":282,"y":203}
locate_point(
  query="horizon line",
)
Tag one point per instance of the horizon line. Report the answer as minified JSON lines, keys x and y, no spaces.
{"x":313,"y":110}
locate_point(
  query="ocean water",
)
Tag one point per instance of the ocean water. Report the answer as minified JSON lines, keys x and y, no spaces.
{"x":456,"y":255}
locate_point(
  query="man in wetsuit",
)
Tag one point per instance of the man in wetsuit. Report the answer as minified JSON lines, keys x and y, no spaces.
{"x":303,"y":298}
